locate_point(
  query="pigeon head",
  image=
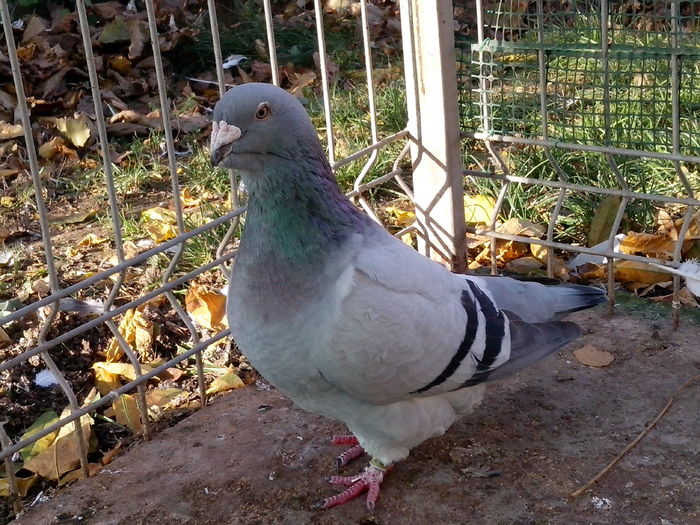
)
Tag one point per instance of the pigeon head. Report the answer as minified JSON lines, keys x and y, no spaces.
{"x":257,"y":124}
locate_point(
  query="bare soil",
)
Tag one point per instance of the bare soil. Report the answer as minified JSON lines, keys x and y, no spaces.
{"x":252,"y":457}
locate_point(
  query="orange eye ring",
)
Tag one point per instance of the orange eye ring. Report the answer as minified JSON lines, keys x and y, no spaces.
{"x":263,"y":112}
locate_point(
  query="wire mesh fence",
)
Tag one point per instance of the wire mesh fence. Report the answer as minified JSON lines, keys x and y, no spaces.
{"x":111,"y":294}
{"x":580,"y":101}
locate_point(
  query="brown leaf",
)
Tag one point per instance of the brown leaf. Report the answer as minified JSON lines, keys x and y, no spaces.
{"x":127,"y":412}
{"x":63,"y":455}
{"x":639,"y":272}
{"x":107,"y":10}
{"x":524,"y":265}
{"x":654,"y":245}
{"x":207,"y":309}
{"x":109,"y":456}
{"x":590,"y":356}
{"x":24,"y":483}
{"x":225,"y":382}
{"x":34,"y":27}
{"x":139,"y":35}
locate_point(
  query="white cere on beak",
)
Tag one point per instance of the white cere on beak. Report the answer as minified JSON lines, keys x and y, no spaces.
{"x":223,"y":133}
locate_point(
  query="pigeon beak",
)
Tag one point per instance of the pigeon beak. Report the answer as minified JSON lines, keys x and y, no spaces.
{"x":223,"y":135}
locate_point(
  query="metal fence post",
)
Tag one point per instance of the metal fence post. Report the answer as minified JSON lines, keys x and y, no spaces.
{"x":433,"y":122}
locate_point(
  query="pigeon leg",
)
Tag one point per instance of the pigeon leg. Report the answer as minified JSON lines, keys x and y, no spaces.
{"x":353,"y":452}
{"x":370,"y":480}
{"x":344,"y":439}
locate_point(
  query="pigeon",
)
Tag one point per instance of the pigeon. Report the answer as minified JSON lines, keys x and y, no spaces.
{"x":347,"y":320}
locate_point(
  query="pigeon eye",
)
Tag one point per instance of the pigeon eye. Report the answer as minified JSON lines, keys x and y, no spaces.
{"x":263,"y":112}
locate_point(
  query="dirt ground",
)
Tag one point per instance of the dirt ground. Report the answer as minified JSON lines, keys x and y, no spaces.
{"x":252,"y":457}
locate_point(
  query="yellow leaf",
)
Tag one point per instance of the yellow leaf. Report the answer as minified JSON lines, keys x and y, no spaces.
{"x":401,"y":217}
{"x":207,"y":309}
{"x":63,"y":455}
{"x":639,"y":272}
{"x":159,"y":223}
{"x":75,"y":128}
{"x":48,"y":149}
{"x":654,"y":245}
{"x":127,"y":412}
{"x":137,"y":331}
{"x":125,"y":370}
{"x":105,"y":381}
{"x":521,"y":227}
{"x":523,"y":265}
{"x":407,"y":238}
{"x":92,"y":239}
{"x":478,"y":209}
{"x":160,"y":231}
{"x":225,"y":382}
{"x":163,"y":397}
{"x":46,"y":419}
{"x":590,"y":356}
{"x":23,"y":485}
{"x":187,"y":199}
{"x":7,"y":202}
{"x":158,"y":214}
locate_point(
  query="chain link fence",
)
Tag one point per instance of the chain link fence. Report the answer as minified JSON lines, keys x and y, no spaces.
{"x":603,"y":95}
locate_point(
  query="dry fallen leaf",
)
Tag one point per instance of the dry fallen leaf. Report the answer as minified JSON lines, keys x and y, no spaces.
{"x":603,"y":219}
{"x":478,"y":209}
{"x":590,"y":356}
{"x":638,"y":272}
{"x":23,"y":485}
{"x":401,"y":217}
{"x":75,"y":475}
{"x":137,"y":331}
{"x":207,"y":309}
{"x":159,"y":223}
{"x":92,"y":239}
{"x":127,"y":413}
{"x":75,"y":128}
{"x":109,"y":456}
{"x":523,"y":265}
{"x":4,"y":338}
{"x":225,"y":382}
{"x":63,"y":455}
{"x":44,"y":420}
{"x":161,"y":398}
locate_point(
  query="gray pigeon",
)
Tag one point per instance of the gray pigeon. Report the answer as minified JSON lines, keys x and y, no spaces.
{"x":347,"y":320}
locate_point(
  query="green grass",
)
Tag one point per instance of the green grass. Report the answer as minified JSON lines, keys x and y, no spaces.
{"x":242,"y":31}
{"x":638,"y":117}
{"x":351,"y":126}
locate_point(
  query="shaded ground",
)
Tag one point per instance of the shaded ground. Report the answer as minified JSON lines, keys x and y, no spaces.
{"x":252,"y":457}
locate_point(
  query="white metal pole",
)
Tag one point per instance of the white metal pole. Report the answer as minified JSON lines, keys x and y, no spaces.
{"x":433,"y":114}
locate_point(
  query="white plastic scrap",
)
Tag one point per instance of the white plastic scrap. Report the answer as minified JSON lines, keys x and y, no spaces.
{"x":233,"y":61}
{"x":45,"y":379}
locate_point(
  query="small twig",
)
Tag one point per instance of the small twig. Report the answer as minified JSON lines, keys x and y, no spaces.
{"x":636,"y":440}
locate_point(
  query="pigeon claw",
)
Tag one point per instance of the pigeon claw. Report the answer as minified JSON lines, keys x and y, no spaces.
{"x":369,"y":480}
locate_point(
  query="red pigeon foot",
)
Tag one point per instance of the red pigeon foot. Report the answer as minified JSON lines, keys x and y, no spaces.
{"x":370,"y":480}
